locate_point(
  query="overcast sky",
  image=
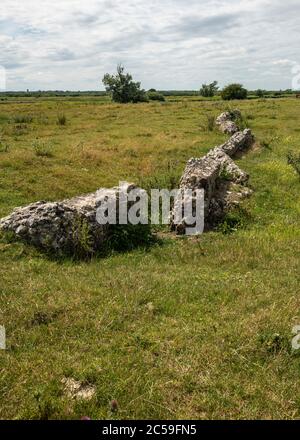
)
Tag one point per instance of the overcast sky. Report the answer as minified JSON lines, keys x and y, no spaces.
{"x":165,"y":44}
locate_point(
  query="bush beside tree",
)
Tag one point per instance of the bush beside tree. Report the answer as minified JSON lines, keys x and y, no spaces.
{"x":234,"y":91}
{"x":155,"y":96}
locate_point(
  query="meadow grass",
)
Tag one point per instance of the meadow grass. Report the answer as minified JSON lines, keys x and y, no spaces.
{"x":188,"y":328}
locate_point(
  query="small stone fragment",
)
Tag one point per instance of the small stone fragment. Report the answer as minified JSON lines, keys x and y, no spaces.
{"x":77,"y":390}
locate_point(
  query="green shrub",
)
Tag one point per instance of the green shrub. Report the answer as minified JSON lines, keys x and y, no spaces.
{"x":127,"y":237}
{"x":235,"y":219}
{"x":155,"y":96}
{"x":234,"y":91}
{"x":225,"y":175}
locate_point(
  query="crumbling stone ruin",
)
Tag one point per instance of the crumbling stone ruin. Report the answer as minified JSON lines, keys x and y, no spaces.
{"x":62,"y":226}
{"x":224,"y":183}
{"x":227,"y":121}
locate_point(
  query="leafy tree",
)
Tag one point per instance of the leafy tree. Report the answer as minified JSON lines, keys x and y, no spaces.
{"x":209,"y":90}
{"x":260,"y":93}
{"x":234,"y":91}
{"x":122,"y":88}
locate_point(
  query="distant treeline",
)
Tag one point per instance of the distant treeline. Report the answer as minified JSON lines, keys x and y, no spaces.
{"x":50,"y":93}
{"x":270,"y":93}
{"x":67,"y":93}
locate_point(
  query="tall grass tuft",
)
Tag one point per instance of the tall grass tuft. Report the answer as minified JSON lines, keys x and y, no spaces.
{"x":61,"y":119}
{"x":209,"y":124}
{"x":43,"y":149}
{"x":4,"y":147}
{"x":22,"y":119}
{"x":82,"y":247}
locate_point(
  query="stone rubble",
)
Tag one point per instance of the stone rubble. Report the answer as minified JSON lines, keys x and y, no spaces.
{"x":75,"y":389}
{"x":58,"y":225}
{"x":224,"y":183}
{"x":227,"y":121}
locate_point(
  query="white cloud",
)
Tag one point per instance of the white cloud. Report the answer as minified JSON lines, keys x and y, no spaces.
{"x":165,"y":44}
{"x":284,"y":62}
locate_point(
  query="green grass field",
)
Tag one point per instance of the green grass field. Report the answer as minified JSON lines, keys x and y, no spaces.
{"x":189,"y":328}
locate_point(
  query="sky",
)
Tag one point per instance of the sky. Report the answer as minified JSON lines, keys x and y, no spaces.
{"x":164,"y":44}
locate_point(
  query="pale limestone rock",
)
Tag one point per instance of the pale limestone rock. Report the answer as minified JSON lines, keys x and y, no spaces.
{"x":58,"y":225}
{"x":75,"y":389}
{"x":224,"y":183}
{"x":227,"y":121}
